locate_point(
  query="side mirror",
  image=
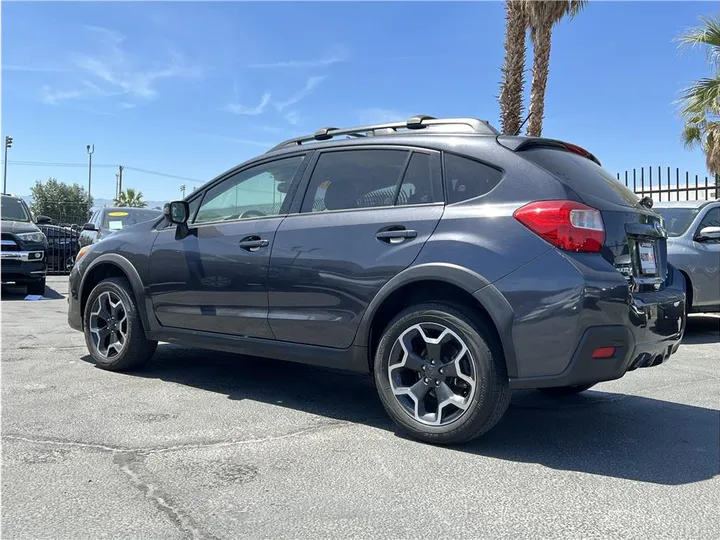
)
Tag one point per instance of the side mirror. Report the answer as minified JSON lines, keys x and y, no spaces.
{"x":283,"y":187}
{"x":43,"y":219}
{"x":177,"y":212}
{"x":89,"y":227}
{"x":708,"y":233}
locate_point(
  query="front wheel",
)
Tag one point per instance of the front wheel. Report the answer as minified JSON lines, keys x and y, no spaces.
{"x":113,"y":329}
{"x":440,"y":374}
{"x":560,"y":391}
{"x":36,"y":287}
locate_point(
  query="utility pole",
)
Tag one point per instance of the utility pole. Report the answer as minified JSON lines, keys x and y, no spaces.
{"x":90,"y":150}
{"x":8,"y":144}
{"x":182,"y":190}
{"x":120,"y":170}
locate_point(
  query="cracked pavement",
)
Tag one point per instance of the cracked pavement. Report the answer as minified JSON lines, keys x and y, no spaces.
{"x":206,"y":445}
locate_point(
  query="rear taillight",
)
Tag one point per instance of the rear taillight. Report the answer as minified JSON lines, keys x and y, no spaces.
{"x":569,"y":225}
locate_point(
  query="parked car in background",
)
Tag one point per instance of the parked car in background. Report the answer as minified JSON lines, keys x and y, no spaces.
{"x":450,"y":261}
{"x":109,"y":220}
{"x":24,"y":246}
{"x":693,"y":246}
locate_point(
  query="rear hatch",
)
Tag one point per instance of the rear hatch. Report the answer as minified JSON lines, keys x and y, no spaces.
{"x":635,"y":239}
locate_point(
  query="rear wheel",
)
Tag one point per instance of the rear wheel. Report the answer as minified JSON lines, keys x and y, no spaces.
{"x":560,"y":391}
{"x":113,"y":329}
{"x":440,"y":374}
{"x":36,"y":287}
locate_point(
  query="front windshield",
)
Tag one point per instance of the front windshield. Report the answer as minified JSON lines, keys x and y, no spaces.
{"x":677,"y":220}
{"x":120,"y":218}
{"x":14,"y":210}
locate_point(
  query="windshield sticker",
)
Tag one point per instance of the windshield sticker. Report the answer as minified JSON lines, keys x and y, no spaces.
{"x":115,"y":225}
{"x":117,"y":214}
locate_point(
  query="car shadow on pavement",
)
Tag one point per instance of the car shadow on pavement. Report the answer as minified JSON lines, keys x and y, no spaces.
{"x":621,"y":436}
{"x":14,"y":293}
{"x":702,"y":329}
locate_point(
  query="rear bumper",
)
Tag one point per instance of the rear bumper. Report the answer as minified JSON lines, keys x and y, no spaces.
{"x":588,"y":308}
{"x":629,"y":355}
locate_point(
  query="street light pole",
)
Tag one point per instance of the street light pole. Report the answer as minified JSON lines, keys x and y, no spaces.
{"x":90,"y":150}
{"x":8,"y":144}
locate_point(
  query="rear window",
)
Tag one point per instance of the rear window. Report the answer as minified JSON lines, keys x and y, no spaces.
{"x":582,"y":175}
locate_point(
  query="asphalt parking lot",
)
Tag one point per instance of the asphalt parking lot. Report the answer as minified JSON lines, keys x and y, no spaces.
{"x":208,"y":445}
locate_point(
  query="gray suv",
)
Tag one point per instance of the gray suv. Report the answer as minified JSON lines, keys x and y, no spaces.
{"x":453,"y":263}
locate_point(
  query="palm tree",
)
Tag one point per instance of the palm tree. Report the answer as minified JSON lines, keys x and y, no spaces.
{"x":130,"y":198}
{"x":513,"y":70}
{"x":542,"y":16}
{"x":701,"y":100}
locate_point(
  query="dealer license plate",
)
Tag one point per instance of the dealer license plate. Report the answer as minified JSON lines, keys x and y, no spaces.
{"x":647,"y":258}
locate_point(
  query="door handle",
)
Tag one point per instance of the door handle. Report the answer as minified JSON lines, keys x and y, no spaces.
{"x":395,"y":235}
{"x":253,"y":243}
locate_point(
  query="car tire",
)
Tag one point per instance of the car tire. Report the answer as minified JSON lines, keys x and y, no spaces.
{"x":561,"y":391}
{"x":113,"y":329}
{"x":472,"y":409}
{"x":36,"y":287}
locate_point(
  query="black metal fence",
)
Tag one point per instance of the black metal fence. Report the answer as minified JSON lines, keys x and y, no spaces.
{"x":63,"y":245}
{"x":668,"y":184}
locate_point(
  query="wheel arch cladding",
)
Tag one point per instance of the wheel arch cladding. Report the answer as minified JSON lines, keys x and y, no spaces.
{"x":114,"y":265}
{"x":439,"y":282}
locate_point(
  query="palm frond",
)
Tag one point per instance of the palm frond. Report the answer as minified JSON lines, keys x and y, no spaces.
{"x":701,"y":97}
{"x":707,"y":34}
{"x":691,"y":136}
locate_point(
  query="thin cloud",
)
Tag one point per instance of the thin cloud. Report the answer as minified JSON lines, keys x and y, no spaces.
{"x":336,"y":58}
{"x":292,"y":117}
{"x":236,"y":108}
{"x":376,"y":115}
{"x":109,"y":71}
{"x":50,"y":97}
{"x":247,"y":142}
{"x":35,"y":69}
{"x":310,"y":86}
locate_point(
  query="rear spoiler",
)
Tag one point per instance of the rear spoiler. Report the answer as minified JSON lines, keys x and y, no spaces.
{"x":518,"y":144}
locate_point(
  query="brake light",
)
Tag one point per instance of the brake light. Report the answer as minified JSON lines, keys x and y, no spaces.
{"x":568,"y":225}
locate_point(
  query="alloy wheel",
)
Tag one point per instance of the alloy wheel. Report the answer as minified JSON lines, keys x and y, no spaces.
{"x":108,"y":324}
{"x":432,"y":374}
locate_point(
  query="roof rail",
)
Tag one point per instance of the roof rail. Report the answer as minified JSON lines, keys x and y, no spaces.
{"x":417,"y":122}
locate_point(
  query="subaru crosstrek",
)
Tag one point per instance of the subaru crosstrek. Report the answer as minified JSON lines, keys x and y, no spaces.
{"x":453,"y":263}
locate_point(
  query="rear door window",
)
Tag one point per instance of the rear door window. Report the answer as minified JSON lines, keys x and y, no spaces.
{"x":581,"y":175}
{"x":352,"y":179}
{"x":466,"y":178}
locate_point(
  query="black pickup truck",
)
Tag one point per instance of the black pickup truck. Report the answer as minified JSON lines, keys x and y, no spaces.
{"x":24,"y":246}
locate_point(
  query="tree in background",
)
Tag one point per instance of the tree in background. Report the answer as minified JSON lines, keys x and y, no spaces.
{"x":513,"y":70}
{"x":62,"y":202}
{"x":700,"y":101}
{"x":540,"y":16}
{"x":130,"y":198}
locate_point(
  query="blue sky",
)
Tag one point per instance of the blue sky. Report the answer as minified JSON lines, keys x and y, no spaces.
{"x":192,"y":88}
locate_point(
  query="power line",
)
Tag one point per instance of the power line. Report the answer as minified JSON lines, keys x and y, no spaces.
{"x":164,"y":174}
{"x":103,"y":165}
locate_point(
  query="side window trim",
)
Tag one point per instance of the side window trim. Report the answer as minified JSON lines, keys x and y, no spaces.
{"x":401,"y":178}
{"x":284,"y":210}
